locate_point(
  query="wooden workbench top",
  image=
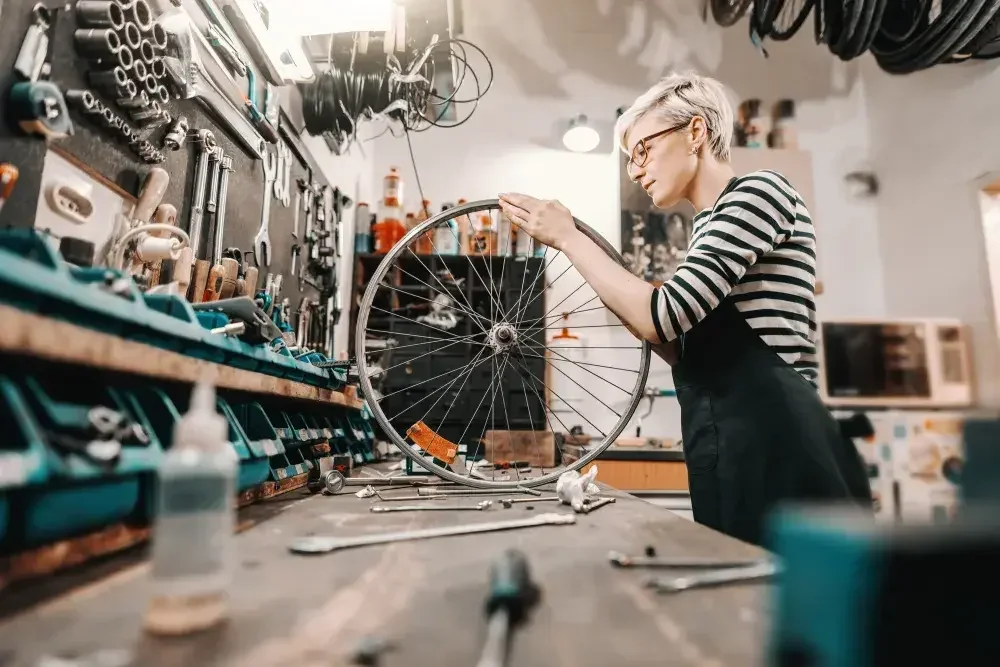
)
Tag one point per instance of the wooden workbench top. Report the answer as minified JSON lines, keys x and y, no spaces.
{"x":425,"y":597}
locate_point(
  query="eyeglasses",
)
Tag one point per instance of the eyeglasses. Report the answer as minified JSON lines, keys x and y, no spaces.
{"x":640,"y":153}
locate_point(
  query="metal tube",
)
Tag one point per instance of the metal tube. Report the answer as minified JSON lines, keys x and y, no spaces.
{"x":163,"y":95}
{"x":100,"y":14}
{"x":158,"y":36}
{"x":150,"y":85}
{"x":138,"y":102}
{"x":145,"y":52}
{"x":141,"y":15}
{"x":399,"y":480}
{"x":158,"y":69}
{"x":130,"y":35}
{"x":110,"y":80}
{"x":96,"y":42}
{"x":140,"y":71}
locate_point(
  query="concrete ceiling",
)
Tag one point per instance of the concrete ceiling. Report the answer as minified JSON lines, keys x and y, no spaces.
{"x":557,"y":58}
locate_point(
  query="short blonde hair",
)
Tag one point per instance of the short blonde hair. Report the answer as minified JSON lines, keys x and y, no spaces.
{"x":678,"y":98}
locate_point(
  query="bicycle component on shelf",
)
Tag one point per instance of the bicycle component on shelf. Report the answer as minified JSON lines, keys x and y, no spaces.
{"x":481,"y":327}
{"x":162,"y":94}
{"x":762,"y":571}
{"x":511,"y":597}
{"x":96,"y":42}
{"x":478,"y":507}
{"x":619,"y":559}
{"x":158,"y":69}
{"x":262,"y":241}
{"x":321,"y":545}
{"x":100,"y":14}
{"x":158,"y":37}
{"x":140,"y":14}
{"x":145,"y":53}
{"x":205,"y":143}
{"x":177,"y":135}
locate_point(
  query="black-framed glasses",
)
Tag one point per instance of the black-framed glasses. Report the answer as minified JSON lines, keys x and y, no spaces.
{"x":640,"y":153}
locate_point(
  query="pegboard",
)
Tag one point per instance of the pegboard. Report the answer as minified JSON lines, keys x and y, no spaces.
{"x":102,"y":153}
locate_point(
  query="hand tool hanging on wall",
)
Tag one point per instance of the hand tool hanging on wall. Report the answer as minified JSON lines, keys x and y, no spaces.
{"x":205,"y":144}
{"x":262,"y":240}
{"x":38,"y":106}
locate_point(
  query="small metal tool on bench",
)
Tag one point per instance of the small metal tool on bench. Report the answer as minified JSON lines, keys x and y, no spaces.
{"x":476,"y":492}
{"x":322,"y":545}
{"x":680,"y":562}
{"x":479,"y":507}
{"x":509,"y":502}
{"x":591,"y":504}
{"x":761,"y":571}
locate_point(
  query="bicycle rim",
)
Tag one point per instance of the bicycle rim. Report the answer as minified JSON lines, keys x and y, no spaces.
{"x":493,"y":312}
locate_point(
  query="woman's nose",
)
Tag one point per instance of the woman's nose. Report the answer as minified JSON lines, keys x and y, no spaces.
{"x":634,"y":173}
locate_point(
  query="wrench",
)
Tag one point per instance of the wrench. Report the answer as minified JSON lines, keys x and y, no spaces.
{"x":206,"y":143}
{"x":507,"y":502}
{"x":322,"y":545}
{"x":624,"y":560}
{"x":262,"y":241}
{"x":590,"y":506}
{"x":476,"y":492}
{"x":286,"y":196}
{"x":226,"y":168}
{"x":479,"y":507}
{"x":761,"y":571}
{"x":279,"y":182}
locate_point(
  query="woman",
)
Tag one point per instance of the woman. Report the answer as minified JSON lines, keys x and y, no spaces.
{"x":737,"y":321}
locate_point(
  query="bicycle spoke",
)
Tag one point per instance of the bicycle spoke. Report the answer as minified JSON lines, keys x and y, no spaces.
{"x":553,"y":412}
{"x":411,"y":360}
{"x":589,"y":393}
{"x":467,"y":339}
{"x":410,"y":319}
{"x":415,"y":403}
{"x":531,"y":421}
{"x":467,"y":375}
{"x":434,"y":276}
{"x":457,"y":305}
{"x":530,"y":325}
{"x":451,"y":372}
{"x":582,"y":363}
{"x":539,"y":272}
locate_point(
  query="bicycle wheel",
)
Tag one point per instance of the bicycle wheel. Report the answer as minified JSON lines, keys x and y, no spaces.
{"x":763,"y":14}
{"x":727,"y":12}
{"x":485,"y":372}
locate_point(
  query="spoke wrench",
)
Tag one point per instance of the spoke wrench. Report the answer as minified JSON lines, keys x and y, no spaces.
{"x":322,"y":545}
{"x":480,"y":507}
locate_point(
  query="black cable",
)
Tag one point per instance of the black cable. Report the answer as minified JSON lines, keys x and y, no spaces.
{"x":416,"y":174}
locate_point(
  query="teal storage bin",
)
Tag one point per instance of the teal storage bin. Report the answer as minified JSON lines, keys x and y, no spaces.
{"x":23,"y":463}
{"x":84,"y":492}
{"x":264,"y":438}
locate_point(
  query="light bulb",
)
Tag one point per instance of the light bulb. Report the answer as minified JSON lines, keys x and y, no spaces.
{"x":581,"y":137}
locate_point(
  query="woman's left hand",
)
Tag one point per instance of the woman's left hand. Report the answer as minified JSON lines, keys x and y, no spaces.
{"x":545,"y":220}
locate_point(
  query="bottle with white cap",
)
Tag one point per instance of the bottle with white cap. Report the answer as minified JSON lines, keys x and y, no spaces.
{"x":193,"y":537}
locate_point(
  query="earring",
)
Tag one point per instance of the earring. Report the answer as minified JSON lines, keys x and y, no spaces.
{"x":695,"y":150}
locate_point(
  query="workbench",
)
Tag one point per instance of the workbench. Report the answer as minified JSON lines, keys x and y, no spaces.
{"x":426,"y":598}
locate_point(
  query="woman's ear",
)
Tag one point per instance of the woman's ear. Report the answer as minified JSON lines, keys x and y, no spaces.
{"x":697,"y":134}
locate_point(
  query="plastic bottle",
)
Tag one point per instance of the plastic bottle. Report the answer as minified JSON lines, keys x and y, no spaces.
{"x":389,"y":229}
{"x":194,"y":533}
{"x":446,"y":235}
{"x":362,"y":229}
{"x":425,"y":245}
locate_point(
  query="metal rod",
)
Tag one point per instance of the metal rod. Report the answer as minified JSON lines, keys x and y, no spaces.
{"x":477,"y":492}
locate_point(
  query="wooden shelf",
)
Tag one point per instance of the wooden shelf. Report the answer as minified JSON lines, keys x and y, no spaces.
{"x":34,"y":335}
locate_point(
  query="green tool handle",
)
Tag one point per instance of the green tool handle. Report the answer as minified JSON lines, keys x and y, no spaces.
{"x":511,"y":587}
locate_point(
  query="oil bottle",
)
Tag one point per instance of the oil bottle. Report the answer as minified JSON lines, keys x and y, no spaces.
{"x":193,"y":536}
{"x":389,"y":228}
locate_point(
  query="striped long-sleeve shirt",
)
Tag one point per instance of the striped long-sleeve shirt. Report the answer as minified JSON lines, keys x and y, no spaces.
{"x":757,"y":244}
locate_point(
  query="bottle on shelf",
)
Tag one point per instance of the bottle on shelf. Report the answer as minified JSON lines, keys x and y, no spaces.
{"x":464,"y":223}
{"x":446,"y":235}
{"x":362,"y":229}
{"x":425,"y":243}
{"x":484,"y":238}
{"x":193,"y":550}
{"x":389,"y":229}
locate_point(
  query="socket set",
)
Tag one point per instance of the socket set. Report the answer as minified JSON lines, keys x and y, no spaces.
{"x":86,"y":102}
{"x":125,"y":45}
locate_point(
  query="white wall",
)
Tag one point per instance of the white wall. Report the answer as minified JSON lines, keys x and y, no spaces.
{"x":935,"y":135}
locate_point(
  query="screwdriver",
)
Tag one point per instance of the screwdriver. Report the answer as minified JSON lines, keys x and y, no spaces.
{"x":512,"y":595}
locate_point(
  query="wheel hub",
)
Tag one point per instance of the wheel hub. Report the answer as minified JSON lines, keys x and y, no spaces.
{"x":502,"y":336}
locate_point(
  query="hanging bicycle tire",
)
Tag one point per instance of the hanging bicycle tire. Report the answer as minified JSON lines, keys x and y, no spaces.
{"x":957,"y":23}
{"x":486,"y":349}
{"x":728,"y":12}
{"x":857,"y":43}
{"x":763,"y":13}
{"x":901,"y":20}
{"x":850,"y":17}
{"x":790,"y":19}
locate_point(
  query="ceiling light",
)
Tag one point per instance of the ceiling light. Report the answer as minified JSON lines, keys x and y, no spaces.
{"x":581,"y":137}
{"x":323,"y":17}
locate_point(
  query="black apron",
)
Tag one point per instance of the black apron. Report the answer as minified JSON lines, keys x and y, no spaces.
{"x":755,"y":431}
